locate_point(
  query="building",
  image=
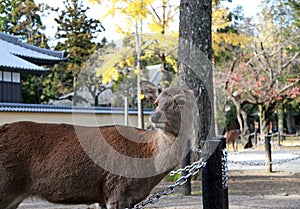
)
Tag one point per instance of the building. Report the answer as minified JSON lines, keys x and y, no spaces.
{"x":19,"y":58}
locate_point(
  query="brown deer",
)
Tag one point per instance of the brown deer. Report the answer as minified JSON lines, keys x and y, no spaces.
{"x":232,"y":136}
{"x":67,"y":164}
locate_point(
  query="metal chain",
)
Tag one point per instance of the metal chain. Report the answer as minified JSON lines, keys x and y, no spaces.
{"x":224,"y":169}
{"x":275,"y":162}
{"x":192,"y":171}
{"x":186,"y":168}
{"x":195,"y":149}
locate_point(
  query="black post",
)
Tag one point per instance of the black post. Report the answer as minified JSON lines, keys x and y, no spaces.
{"x":278,"y":137}
{"x":187,"y":187}
{"x":212,"y":190}
{"x":224,"y":174}
{"x":255,"y":138}
{"x":268,"y":151}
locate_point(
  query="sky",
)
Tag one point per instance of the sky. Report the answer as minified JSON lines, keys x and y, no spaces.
{"x":96,"y":11}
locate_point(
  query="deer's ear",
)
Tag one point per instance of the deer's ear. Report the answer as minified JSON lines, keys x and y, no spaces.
{"x":149,"y":90}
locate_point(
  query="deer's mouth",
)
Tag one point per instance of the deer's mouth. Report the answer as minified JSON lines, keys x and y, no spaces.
{"x":161,"y":125}
{"x":158,"y":120}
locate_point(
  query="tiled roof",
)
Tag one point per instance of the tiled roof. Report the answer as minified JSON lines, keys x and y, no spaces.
{"x":40,"y":108}
{"x":155,"y":74}
{"x":14,"y":54}
{"x":8,"y":60}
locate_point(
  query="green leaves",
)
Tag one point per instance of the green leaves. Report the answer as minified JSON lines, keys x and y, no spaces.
{"x":22,"y":18}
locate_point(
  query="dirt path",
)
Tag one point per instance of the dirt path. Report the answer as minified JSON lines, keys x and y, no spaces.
{"x":247,"y":190}
{"x":252,"y":189}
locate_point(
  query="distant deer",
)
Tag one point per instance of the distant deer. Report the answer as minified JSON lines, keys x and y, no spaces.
{"x":49,"y":161}
{"x":232,"y":137}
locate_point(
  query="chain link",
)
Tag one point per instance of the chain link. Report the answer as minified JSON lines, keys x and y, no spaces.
{"x":194,"y":169}
{"x":191,"y":169}
{"x":195,"y":149}
{"x":273,"y":162}
{"x":224,"y":169}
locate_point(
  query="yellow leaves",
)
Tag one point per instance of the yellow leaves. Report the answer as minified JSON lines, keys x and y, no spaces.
{"x":112,"y":63}
{"x":121,"y":64}
{"x":136,"y":10}
{"x":122,"y":31}
{"x":136,"y":70}
{"x":93,"y":1}
{"x":172,"y":62}
{"x":219,"y":19}
{"x":107,"y":69}
{"x":229,"y":39}
{"x":222,"y":40}
{"x":110,"y":75}
{"x":176,"y":34}
{"x":129,"y":61}
{"x":155,"y":27}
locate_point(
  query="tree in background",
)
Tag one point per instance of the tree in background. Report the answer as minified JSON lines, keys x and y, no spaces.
{"x":228,"y":38}
{"x":268,"y":70}
{"x":135,"y":14}
{"x":22,"y":18}
{"x":76,"y":33}
{"x":295,"y":10}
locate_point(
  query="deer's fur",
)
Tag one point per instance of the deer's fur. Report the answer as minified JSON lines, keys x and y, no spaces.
{"x":49,"y":161}
{"x":232,"y":137}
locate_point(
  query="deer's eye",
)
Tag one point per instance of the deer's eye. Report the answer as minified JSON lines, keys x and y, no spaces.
{"x":178,"y":103}
{"x":179,"y":100}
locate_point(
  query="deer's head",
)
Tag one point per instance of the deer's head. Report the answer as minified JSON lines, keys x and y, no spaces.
{"x":175,"y":108}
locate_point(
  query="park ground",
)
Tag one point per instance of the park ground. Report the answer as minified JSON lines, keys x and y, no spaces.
{"x":248,"y":187}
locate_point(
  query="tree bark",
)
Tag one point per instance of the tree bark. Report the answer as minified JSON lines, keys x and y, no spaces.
{"x":194,"y":61}
{"x":264,"y":120}
{"x":288,"y":119}
{"x":194,"y":58}
{"x":280,"y":119}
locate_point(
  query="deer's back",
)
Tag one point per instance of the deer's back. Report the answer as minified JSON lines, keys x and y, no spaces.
{"x":49,"y":159}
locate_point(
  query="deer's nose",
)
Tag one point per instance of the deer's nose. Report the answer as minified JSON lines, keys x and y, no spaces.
{"x":155,"y":117}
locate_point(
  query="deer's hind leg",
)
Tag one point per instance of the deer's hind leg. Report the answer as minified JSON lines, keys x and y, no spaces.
{"x":11,"y":189}
{"x":9,"y":198}
{"x":10,"y":202}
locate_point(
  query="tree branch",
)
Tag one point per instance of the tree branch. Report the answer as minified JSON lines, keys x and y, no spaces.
{"x":290,"y":61}
{"x":158,"y":17}
{"x":271,"y":73}
{"x":231,"y":70}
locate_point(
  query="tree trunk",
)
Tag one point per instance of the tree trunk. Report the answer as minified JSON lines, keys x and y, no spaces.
{"x":242,"y":120}
{"x":75,"y":99}
{"x":280,"y":119}
{"x":194,"y":60}
{"x":138,"y":40}
{"x":245,"y":134}
{"x":288,"y":119}
{"x":264,"y":120}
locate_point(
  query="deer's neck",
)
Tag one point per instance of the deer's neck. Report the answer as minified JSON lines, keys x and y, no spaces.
{"x":170,"y":150}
